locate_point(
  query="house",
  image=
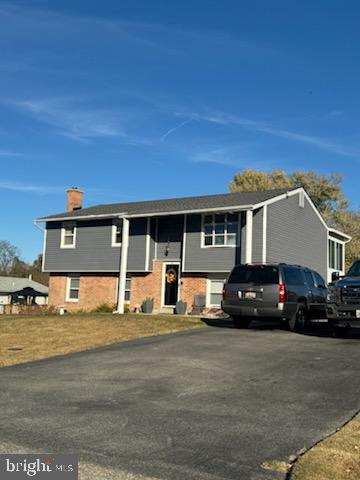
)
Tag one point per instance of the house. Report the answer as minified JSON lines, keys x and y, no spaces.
{"x":15,"y":290}
{"x":177,"y":248}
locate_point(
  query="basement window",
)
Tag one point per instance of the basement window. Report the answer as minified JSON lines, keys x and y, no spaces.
{"x":220,"y":230}
{"x":73,"y":288}
{"x":128,"y":288}
{"x":68,"y":235}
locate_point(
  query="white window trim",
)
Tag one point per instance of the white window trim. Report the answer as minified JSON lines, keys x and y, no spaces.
{"x":62,"y":243}
{"x":128,"y":277}
{"x":113,"y":234}
{"x":219,"y":277}
{"x":68,"y":283}
{"x":225,"y":234}
{"x":336,"y":241}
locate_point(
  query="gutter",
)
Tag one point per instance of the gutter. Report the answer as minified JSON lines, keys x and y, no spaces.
{"x":235,"y":208}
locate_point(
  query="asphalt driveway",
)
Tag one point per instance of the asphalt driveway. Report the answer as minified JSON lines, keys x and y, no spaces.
{"x":205,"y":404}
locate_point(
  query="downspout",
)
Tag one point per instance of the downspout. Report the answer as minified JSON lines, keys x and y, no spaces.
{"x":123,"y":266}
{"x":264,"y":232}
{"x":249,"y":236}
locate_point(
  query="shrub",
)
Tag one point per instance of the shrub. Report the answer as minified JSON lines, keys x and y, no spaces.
{"x":104,"y":308}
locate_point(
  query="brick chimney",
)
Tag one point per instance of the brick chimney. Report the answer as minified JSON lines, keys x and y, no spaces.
{"x":74,"y":199}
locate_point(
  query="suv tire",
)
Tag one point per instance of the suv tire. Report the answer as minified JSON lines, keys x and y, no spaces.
{"x":241,"y":322}
{"x":298,"y":321}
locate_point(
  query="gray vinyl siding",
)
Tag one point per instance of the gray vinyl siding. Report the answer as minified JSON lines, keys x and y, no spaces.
{"x":152,"y":242}
{"x":93,"y":251}
{"x":257,"y":235}
{"x":212,"y":259}
{"x":296,"y":235}
{"x":169,"y":237}
{"x":137,"y":245}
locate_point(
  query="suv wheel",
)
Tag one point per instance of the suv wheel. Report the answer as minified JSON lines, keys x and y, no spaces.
{"x":297,"y":322}
{"x":241,"y":322}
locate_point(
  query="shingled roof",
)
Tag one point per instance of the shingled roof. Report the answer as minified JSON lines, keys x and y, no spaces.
{"x":14,"y":284}
{"x":172,"y":205}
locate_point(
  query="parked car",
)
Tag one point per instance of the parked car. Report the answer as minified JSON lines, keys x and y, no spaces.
{"x":343,"y":300}
{"x":289,"y":293}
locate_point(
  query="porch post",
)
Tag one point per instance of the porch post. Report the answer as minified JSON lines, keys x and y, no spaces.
{"x":123,"y":266}
{"x":249,"y":236}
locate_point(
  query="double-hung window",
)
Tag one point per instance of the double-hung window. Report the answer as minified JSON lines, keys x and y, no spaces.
{"x":116,"y":234}
{"x":336,"y":255}
{"x":128,"y":288}
{"x":215,"y":288}
{"x":73,"y":288}
{"x":68,"y":235}
{"x":220,"y":230}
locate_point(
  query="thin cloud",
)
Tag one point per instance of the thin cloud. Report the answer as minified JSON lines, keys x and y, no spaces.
{"x":218,"y":156}
{"x":145,"y":34}
{"x":172,"y":130}
{"x":30,"y":188}
{"x":72,"y":120}
{"x":262,"y":127}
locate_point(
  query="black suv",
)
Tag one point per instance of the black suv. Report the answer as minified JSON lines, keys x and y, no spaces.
{"x":288,"y":292}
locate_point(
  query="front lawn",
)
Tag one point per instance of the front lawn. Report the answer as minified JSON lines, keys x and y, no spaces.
{"x":23,"y":339}
{"x":335,"y":458}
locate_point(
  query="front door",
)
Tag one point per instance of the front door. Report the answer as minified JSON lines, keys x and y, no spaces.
{"x":171,"y":283}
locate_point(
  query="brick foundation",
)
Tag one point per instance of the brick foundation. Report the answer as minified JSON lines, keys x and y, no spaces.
{"x":99,"y":289}
{"x":149,"y":286}
{"x":94,"y":291}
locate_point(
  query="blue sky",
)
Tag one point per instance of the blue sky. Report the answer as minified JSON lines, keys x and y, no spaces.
{"x":137,"y":100}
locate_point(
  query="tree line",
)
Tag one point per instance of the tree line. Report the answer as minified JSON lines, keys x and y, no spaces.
{"x":11,"y":264}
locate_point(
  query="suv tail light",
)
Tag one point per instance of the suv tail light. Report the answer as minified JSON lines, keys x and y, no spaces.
{"x":282,"y":293}
{"x":224,"y":293}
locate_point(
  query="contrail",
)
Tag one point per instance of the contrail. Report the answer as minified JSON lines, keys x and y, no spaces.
{"x":172,"y":130}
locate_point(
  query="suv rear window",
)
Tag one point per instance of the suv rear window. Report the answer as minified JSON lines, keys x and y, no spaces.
{"x":293,"y":276}
{"x":260,"y":274}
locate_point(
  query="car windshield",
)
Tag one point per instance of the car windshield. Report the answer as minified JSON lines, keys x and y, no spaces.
{"x":354,"y":270}
{"x":260,"y":274}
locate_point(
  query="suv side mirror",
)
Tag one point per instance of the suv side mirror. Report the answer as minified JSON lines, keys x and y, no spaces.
{"x":321,"y":286}
{"x":335,"y":276}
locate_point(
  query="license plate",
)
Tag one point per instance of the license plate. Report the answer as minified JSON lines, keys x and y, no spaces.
{"x":357,"y":313}
{"x":250,"y":295}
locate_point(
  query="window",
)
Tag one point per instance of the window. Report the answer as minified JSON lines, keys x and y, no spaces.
{"x":215,"y":291}
{"x":258,"y":274}
{"x":220,"y":230}
{"x":293,"y":276}
{"x":68,"y":235}
{"x":116,"y":234}
{"x":336,"y":258}
{"x":128,"y":288}
{"x":73,"y":287}
{"x":309,"y":279}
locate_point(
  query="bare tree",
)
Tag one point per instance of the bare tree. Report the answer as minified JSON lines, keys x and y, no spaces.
{"x":9,"y":254}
